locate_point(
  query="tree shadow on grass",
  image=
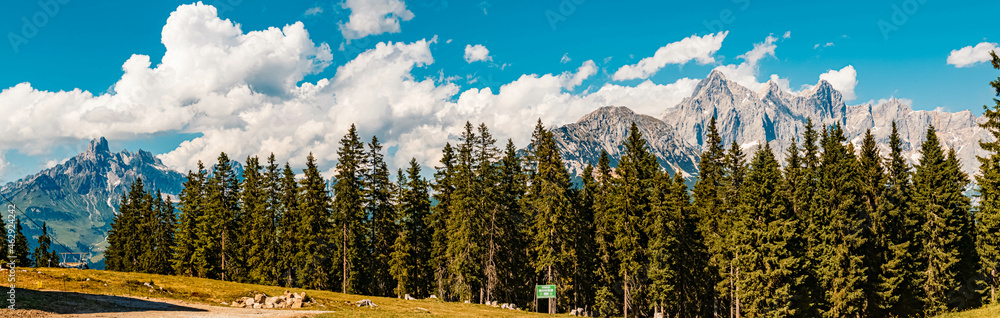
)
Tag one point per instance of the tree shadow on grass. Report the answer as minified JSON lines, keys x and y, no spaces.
{"x":59,"y":302}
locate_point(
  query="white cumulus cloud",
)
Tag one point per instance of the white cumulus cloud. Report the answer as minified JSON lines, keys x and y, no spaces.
{"x":970,"y":55}
{"x":745,"y":73}
{"x":476,"y":53}
{"x":373,"y":17}
{"x":243,"y":92}
{"x":700,"y":49}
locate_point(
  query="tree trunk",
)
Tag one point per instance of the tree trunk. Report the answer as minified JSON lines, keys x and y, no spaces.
{"x":626,"y":302}
{"x":343,"y":253}
{"x":224,"y":253}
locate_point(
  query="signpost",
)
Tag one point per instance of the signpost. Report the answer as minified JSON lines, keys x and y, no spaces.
{"x":545,"y":292}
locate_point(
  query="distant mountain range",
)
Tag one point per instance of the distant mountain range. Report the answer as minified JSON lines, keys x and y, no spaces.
{"x":78,"y":198}
{"x":770,"y":115}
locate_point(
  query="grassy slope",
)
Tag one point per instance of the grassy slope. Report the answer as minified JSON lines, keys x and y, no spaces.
{"x":208,"y":291}
{"x":987,"y":311}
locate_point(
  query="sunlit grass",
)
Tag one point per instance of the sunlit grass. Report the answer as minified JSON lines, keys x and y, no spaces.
{"x":214,"y":292}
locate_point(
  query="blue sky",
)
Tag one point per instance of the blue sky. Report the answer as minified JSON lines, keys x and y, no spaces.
{"x":897,"y":49}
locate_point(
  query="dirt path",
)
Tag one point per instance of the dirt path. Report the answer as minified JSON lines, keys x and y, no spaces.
{"x":88,"y":305}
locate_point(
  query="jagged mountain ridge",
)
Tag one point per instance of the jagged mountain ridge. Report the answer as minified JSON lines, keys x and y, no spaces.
{"x":605,"y":129}
{"x":79,"y":197}
{"x":769,"y":115}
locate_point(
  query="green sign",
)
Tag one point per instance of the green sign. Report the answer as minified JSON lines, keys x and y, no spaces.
{"x":545,"y":291}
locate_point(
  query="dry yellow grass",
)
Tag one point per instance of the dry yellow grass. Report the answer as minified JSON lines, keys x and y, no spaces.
{"x":213,"y":292}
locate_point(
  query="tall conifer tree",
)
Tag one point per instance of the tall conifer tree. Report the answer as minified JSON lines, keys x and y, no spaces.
{"x":185,"y":261}
{"x":348,"y":207}
{"x":988,"y":216}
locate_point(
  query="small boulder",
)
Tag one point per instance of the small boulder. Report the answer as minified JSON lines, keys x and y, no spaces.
{"x":408,"y":297}
{"x":259,"y":298}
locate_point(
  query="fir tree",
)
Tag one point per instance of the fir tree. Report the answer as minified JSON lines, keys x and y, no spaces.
{"x":988,"y":180}
{"x":631,"y":195}
{"x":899,"y":280}
{"x":185,"y":261}
{"x":42,"y":256}
{"x":512,"y":259}
{"x":163,"y":223}
{"x":873,"y":186}
{"x":217,"y":224}
{"x":4,"y":248}
{"x":444,"y":186}
{"x":548,"y":202}
{"x":381,"y":228}
{"x":314,"y":228}
{"x":487,"y":174}
{"x":289,"y":223}
{"x":586,"y":245}
{"x":768,"y":266}
{"x":348,"y":207}
{"x":22,"y":256}
{"x":411,"y":251}
{"x":937,"y":188}
{"x":465,"y":224}
{"x":714,"y":224}
{"x":261,"y":233}
{"x":663,"y":240}
{"x":606,"y":298}
{"x":839,"y":218}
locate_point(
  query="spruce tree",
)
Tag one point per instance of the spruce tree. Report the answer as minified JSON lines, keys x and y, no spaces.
{"x":900,"y":280}
{"x":22,"y":256}
{"x":184,"y":261}
{"x":314,"y":228}
{"x":937,"y":196}
{"x":606,"y":296}
{"x":548,"y":202}
{"x":487,"y":174}
{"x":217,"y":228}
{"x":412,"y":248}
{"x":42,"y":256}
{"x":289,"y":223}
{"x":878,"y":291}
{"x":631,"y":202}
{"x":512,"y":262}
{"x":444,"y":187}
{"x":968,"y":269}
{"x":690,"y":257}
{"x":4,"y":249}
{"x":662,"y":231}
{"x":839,"y":217}
{"x":348,"y":207}
{"x":261,"y":233}
{"x":466,"y":222}
{"x":163,"y":223}
{"x":586,"y":245}
{"x":802,"y":196}
{"x":765,"y":232}
{"x":714,"y":223}
{"x":988,"y":180}
{"x":381,"y":228}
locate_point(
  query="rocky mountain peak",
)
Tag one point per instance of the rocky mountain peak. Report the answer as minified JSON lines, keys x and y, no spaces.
{"x":98,"y":148}
{"x":715,"y":84}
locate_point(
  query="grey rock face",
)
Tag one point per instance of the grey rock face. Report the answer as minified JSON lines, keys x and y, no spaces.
{"x":608,"y":127}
